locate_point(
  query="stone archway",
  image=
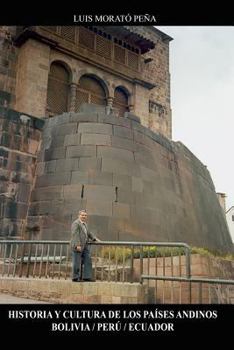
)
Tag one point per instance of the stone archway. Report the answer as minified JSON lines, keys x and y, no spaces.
{"x":121,"y":101}
{"x":58,"y":89}
{"x":90,"y":90}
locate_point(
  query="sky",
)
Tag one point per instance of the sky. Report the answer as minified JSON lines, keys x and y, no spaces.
{"x":202,"y":98}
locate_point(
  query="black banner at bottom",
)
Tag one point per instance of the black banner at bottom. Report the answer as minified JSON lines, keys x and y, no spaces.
{"x":89,"y":320}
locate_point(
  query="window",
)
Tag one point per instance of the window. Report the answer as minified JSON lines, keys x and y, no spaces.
{"x":232,"y":217}
{"x":90,"y":90}
{"x":121,"y":101}
{"x":58,"y":89}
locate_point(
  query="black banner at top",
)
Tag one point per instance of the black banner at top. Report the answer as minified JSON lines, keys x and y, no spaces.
{"x":76,"y":16}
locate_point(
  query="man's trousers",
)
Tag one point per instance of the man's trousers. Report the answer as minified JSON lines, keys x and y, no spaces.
{"x":81,"y":264}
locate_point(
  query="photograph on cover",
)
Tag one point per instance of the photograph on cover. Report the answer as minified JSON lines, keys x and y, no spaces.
{"x":115,"y":166}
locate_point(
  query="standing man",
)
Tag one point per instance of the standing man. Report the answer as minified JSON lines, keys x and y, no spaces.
{"x":80,"y":252}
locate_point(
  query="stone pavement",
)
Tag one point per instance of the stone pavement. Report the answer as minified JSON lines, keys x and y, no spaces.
{"x":10,"y":299}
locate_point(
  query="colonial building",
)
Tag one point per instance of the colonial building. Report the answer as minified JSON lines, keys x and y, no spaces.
{"x":59,"y":68}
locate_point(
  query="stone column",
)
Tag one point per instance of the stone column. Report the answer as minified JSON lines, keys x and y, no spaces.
{"x":109,"y":105}
{"x":73,"y":89}
{"x":110,"y":101}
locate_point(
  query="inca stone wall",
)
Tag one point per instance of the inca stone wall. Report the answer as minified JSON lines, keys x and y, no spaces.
{"x":19,"y":141}
{"x":8,"y":66}
{"x":134,"y":183}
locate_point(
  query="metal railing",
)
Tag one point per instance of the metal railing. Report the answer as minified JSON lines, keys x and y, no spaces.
{"x":112,"y":261}
{"x":35,"y":259}
{"x":191,"y":290}
{"x":164,"y":266}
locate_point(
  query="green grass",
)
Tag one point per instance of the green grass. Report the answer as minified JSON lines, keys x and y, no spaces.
{"x":121,"y":254}
{"x":212,"y":253}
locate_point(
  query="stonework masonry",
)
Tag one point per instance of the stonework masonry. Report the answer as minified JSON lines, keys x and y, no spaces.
{"x":8,"y":66}
{"x":135,"y":183}
{"x":67,"y":292}
{"x":20,"y":136}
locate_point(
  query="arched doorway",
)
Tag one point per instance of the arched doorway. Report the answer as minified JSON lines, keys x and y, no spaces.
{"x":90,"y":90}
{"x":58,"y":89}
{"x":120,"y":101}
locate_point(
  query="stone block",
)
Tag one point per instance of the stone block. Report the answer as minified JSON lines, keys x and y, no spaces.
{"x":148,"y":174}
{"x":97,"y":207}
{"x":95,"y":128}
{"x":125,"y":195}
{"x":143,"y":153}
{"x":50,"y":166}
{"x":99,"y":193}
{"x":81,"y":151}
{"x":96,"y":139}
{"x":123,"y":132}
{"x":80,"y":177}
{"x":66,"y":129}
{"x":122,"y":142}
{"x":72,"y":140}
{"x":115,"y":227}
{"x":100,"y":178}
{"x":47,"y":208}
{"x":168,"y":183}
{"x":67,"y":164}
{"x":121,"y":210}
{"x":72,"y":191}
{"x":62,"y":178}
{"x":48,"y":193}
{"x":63,"y":119}
{"x":55,"y":153}
{"x":120,"y":167}
{"x":58,"y":141}
{"x":139,"y":213}
{"x":112,"y":152}
{"x":142,"y":139}
{"x":124,"y":181}
{"x":68,"y":211}
{"x":105,"y":299}
{"x":83,"y":117}
{"x":137,"y":184}
{"x":110,"y":119}
{"x":132,"y":116}
{"x":148,"y":199}
{"x":86,"y":164}
{"x":138,"y":127}
{"x":98,"y":225}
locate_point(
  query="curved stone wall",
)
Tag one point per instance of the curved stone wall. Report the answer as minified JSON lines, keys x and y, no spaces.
{"x":134,"y":183}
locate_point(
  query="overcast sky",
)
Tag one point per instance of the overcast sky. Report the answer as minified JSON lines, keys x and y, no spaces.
{"x":202,"y":98}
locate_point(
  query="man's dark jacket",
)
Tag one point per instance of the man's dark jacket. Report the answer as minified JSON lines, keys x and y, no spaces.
{"x":80,"y":235}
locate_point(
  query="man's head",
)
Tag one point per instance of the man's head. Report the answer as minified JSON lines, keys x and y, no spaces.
{"x":83,"y":215}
